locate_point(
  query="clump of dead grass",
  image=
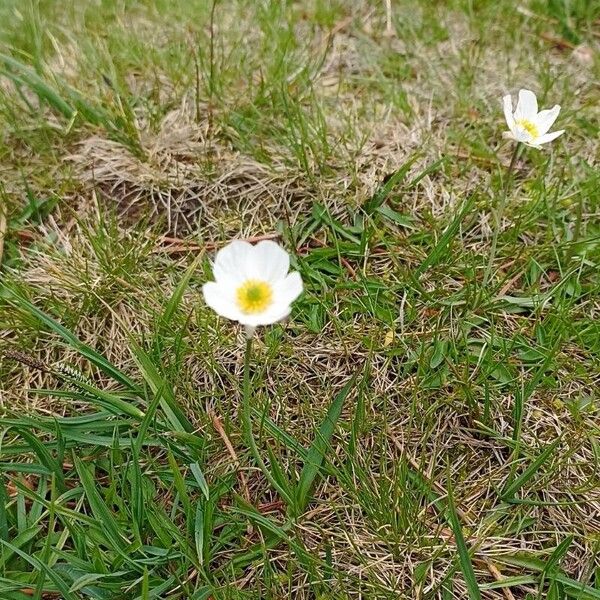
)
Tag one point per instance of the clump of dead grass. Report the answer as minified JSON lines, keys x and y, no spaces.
{"x":189,"y":183}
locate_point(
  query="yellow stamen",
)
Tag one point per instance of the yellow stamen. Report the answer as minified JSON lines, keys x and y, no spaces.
{"x":529,"y":127}
{"x":254,"y":296}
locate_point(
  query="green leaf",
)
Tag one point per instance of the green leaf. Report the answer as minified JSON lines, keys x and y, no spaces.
{"x":45,"y":457}
{"x":110,"y":402}
{"x":507,"y":582}
{"x":179,"y":482}
{"x":558,"y":553}
{"x":385,"y":189}
{"x":278,"y":474}
{"x":19,"y":540}
{"x":175,"y":300}
{"x":396,"y":217}
{"x":23,"y":75}
{"x":199,"y":477}
{"x":530,"y":471}
{"x":102,"y":513}
{"x":199,"y":532}
{"x":83,"y":349}
{"x":159,"y":386}
{"x":41,"y":567}
{"x":464,"y":556}
{"x":137,"y":491}
{"x":321,"y":213}
{"x":319,"y":447}
{"x":553,"y":560}
{"x":3,"y":511}
{"x":434,"y":256}
{"x":282,"y":436}
{"x":573,"y":588}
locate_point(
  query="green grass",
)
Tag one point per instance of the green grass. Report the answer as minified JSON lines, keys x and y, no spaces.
{"x":426,"y":424}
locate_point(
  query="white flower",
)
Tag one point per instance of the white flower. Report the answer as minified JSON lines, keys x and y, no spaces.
{"x":252,"y":284}
{"x":526,"y":124}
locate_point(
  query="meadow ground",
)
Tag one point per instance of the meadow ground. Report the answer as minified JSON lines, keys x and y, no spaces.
{"x":429,"y":416}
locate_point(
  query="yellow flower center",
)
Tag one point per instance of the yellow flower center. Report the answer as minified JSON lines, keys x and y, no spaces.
{"x":254,"y":296}
{"x":529,"y":127}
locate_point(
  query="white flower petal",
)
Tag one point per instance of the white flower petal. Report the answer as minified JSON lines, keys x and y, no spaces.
{"x":274,"y":314}
{"x":270,"y":261}
{"x":508,"y":113}
{"x":288,"y":289}
{"x":527,"y":106}
{"x":544,"y":139}
{"x":220,"y":298}
{"x":278,"y":313}
{"x":231,"y":262}
{"x":546,"y":118}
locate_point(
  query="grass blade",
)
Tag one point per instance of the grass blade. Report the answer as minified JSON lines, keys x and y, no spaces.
{"x":199,"y":532}
{"x":464,"y":557}
{"x":45,"y":457}
{"x":530,"y":471}
{"x":573,"y":588}
{"x":21,"y":74}
{"x":175,"y":300}
{"x":98,"y":506}
{"x":319,"y":447}
{"x":380,"y":196}
{"x":42,"y":568}
{"x":89,"y":353}
{"x":434,"y":256}
{"x":200,"y":479}
{"x":158,"y":385}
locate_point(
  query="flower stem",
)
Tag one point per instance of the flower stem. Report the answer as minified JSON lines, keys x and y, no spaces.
{"x":499,"y":213}
{"x":247,"y":423}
